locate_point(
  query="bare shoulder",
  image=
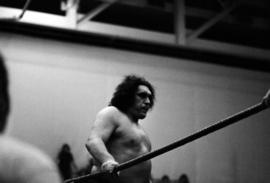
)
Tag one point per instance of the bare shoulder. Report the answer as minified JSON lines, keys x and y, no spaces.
{"x":109,"y":110}
{"x":109,"y":113}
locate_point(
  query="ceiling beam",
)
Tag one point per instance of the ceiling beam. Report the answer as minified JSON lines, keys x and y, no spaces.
{"x":91,"y":14}
{"x":194,"y":53}
{"x":211,"y":22}
{"x":26,"y":5}
{"x":180,"y":22}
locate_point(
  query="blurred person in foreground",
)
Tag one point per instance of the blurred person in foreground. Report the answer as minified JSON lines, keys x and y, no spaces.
{"x":20,"y":162}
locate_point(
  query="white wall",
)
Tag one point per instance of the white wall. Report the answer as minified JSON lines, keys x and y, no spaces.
{"x":57,"y":88}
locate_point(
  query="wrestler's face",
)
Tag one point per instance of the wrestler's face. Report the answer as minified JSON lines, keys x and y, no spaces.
{"x":142,"y":102}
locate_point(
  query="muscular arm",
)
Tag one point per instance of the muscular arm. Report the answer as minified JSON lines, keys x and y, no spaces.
{"x":103,"y":127}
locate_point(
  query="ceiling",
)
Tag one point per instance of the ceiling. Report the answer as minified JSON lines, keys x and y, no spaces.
{"x":248,"y":24}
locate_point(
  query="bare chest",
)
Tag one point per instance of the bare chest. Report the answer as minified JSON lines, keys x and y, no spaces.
{"x":132,"y":136}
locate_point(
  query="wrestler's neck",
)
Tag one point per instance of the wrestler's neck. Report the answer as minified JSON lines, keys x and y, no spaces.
{"x":134,"y":116}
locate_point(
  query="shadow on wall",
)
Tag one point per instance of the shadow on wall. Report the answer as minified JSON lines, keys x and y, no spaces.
{"x":183,"y":178}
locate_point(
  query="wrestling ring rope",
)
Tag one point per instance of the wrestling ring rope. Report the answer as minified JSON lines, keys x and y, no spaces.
{"x":264,"y":104}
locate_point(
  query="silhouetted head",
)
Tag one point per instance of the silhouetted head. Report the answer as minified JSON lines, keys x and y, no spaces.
{"x":165,"y":179}
{"x":65,"y":147}
{"x":4,"y":95}
{"x":183,"y":179}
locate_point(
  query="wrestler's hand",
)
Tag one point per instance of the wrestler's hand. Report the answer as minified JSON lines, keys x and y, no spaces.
{"x":109,"y":166}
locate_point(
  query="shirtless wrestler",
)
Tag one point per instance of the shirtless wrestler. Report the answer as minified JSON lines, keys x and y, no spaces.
{"x":117,"y":136}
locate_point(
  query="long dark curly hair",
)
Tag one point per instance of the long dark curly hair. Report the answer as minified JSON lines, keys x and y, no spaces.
{"x":124,"y":95}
